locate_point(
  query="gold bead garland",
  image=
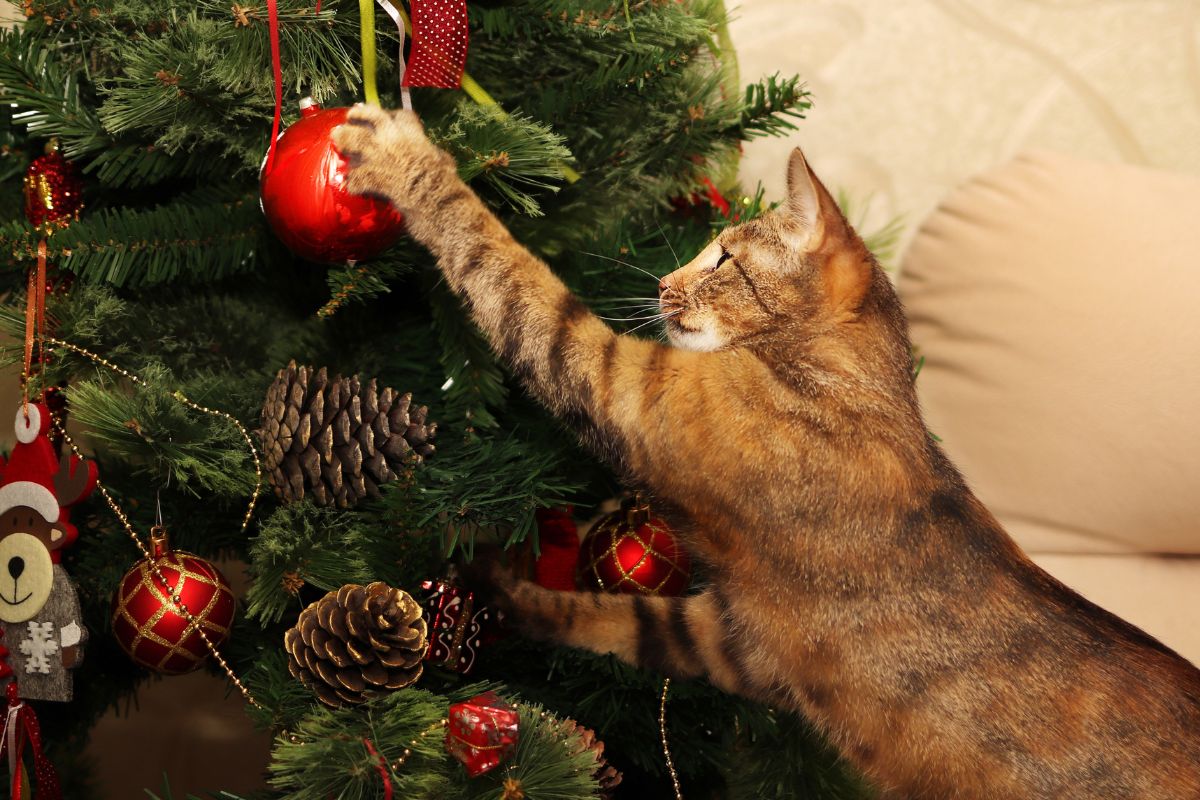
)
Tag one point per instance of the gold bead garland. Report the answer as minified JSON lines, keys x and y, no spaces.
{"x":662,"y":729}
{"x":186,"y":401}
{"x":176,"y":600}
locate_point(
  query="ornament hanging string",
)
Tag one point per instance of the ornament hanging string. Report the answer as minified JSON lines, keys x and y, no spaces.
{"x":277,"y":71}
{"x":35,"y":322}
{"x":366,"y":32}
{"x":401,"y":27}
{"x":175,"y":599}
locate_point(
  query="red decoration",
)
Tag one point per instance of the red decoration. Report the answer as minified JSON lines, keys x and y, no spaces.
{"x":20,"y":715}
{"x":631,"y":552}
{"x":35,"y":478}
{"x":457,"y":627}
{"x":304,"y":195}
{"x":439,"y":49}
{"x":558,"y":541}
{"x":482,"y":732}
{"x":148,"y":625}
{"x":53,"y":191}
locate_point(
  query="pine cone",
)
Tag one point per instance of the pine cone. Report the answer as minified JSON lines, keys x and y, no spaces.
{"x":338,"y":438}
{"x":605,"y":774}
{"x":357,"y":642}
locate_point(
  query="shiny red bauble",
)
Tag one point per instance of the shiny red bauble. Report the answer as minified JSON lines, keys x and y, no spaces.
{"x":631,"y":552}
{"x":53,"y":191}
{"x":304,"y":197}
{"x":149,"y":626}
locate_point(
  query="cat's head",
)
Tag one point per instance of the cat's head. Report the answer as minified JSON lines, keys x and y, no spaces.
{"x":798,"y":267}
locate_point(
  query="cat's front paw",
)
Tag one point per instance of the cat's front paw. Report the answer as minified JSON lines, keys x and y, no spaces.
{"x":389,"y":156}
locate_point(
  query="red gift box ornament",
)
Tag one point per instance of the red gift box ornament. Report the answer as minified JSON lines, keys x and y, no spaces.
{"x":482,"y":732}
{"x":457,"y":626}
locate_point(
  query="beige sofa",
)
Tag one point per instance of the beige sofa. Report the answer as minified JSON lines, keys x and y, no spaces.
{"x":1056,"y":303}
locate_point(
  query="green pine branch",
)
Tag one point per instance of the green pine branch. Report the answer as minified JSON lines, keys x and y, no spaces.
{"x":770,"y":105}
{"x":47,"y":99}
{"x":127,"y":247}
{"x":511,"y":154}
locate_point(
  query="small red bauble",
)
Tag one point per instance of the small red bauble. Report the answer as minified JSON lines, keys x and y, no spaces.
{"x":631,"y":552}
{"x":304,"y":195}
{"x":53,"y":191}
{"x":146,"y":622}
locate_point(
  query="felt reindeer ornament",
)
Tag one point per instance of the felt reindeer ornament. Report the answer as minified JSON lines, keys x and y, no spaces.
{"x":39,"y":607}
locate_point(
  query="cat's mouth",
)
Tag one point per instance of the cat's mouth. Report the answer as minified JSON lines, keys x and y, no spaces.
{"x":675,"y":325}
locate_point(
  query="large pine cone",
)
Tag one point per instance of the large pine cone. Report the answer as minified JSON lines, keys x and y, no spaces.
{"x":357,"y":642}
{"x":605,"y":774}
{"x":338,"y":438}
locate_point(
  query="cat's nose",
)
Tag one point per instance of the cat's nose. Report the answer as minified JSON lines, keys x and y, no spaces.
{"x":662,"y":286}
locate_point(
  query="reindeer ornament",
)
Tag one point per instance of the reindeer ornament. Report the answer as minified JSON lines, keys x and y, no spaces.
{"x":39,"y":609}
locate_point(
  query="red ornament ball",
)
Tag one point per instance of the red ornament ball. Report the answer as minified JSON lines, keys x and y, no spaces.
{"x":145,"y":620}
{"x":631,"y":552}
{"x":53,"y":191}
{"x":304,"y":197}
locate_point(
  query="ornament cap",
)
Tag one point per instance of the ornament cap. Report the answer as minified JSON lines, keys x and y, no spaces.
{"x":160,"y":541}
{"x":637,"y":511}
{"x":308,"y":106}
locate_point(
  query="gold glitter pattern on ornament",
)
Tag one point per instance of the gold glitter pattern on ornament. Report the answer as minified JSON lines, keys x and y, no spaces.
{"x":628,"y":576}
{"x":170,"y":652}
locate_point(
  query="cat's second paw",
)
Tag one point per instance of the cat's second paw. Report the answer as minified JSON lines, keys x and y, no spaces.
{"x":389,"y":156}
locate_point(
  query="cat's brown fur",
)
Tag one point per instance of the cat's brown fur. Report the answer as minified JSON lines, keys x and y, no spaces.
{"x":854,"y":577}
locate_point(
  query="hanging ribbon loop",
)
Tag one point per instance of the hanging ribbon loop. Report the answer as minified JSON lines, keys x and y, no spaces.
{"x":277,"y":71}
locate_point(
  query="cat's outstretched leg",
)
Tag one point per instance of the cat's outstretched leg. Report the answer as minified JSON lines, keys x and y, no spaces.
{"x":624,"y":395}
{"x":682,"y":637}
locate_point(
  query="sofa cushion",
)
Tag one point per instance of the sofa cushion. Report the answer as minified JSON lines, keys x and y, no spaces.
{"x":1056,"y":303}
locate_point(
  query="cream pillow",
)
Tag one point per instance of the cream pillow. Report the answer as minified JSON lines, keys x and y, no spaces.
{"x":1057,"y":305}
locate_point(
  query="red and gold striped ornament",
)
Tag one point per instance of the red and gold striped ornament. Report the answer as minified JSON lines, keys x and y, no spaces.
{"x":632,"y":552}
{"x":147,"y":621}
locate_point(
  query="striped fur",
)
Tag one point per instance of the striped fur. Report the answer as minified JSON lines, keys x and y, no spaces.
{"x":854,"y":576}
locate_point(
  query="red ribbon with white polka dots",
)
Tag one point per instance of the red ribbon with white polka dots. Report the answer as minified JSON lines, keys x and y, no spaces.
{"x":439,"y":44}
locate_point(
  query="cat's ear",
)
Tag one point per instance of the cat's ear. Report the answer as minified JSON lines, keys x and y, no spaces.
{"x":802,"y":210}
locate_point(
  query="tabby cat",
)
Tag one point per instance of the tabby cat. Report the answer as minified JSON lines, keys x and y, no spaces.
{"x":854,"y":578}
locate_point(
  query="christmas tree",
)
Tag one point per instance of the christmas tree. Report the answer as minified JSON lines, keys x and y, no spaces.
{"x":606,"y":135}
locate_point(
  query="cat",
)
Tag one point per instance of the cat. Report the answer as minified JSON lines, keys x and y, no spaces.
{"x":853,"y":576}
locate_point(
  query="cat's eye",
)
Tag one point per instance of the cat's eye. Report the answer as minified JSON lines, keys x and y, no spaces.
{"x":725,"y":256}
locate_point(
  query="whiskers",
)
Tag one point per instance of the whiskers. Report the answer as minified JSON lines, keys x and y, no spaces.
{"x":643,"y":311}
{"x":666,"y":315}
{"x":622,"y":263}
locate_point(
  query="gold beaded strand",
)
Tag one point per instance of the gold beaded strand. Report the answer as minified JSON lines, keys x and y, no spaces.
{"x":174,"y":596}
{"x":184,"y":400}
{"x":662,"y":729}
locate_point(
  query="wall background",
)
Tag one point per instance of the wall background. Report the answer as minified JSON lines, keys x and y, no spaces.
{"x":914,"y":96}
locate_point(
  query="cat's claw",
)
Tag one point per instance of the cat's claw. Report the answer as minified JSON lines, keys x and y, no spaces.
{"x":387,"y":152}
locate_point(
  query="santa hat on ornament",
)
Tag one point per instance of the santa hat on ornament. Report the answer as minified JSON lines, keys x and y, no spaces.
{"x":34,"y":477}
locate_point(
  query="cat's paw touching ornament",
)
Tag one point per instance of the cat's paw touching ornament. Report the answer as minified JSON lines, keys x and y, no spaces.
{"x":39,"y":607}
{"x":307,"y":201}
